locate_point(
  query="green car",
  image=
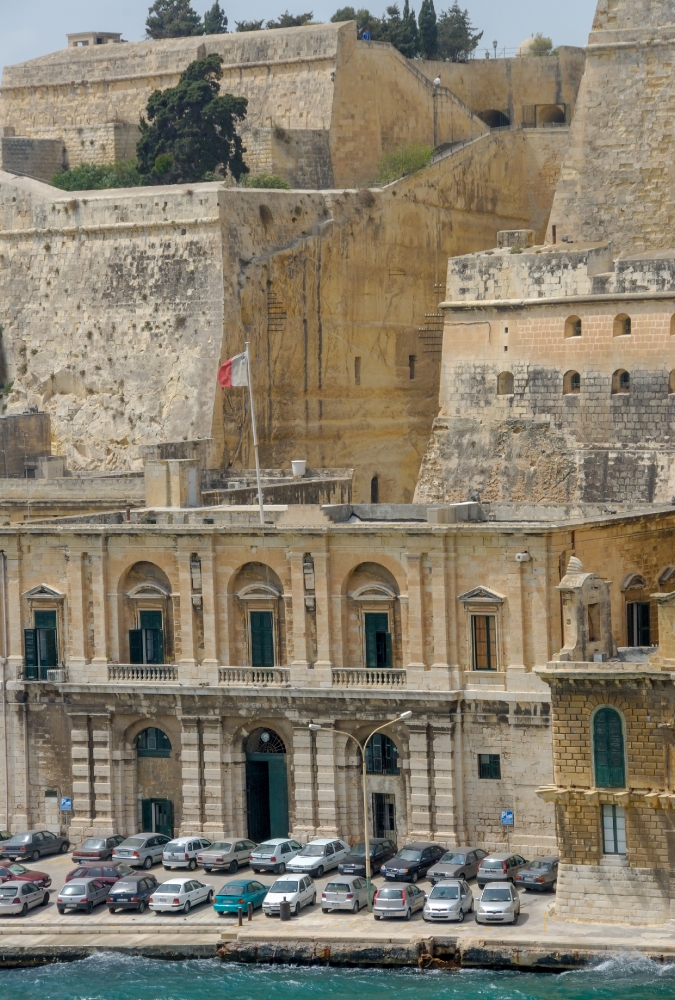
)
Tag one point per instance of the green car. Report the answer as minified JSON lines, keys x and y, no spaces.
{"x":236,"y":894}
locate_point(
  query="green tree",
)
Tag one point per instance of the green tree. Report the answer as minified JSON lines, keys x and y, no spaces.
{"x":401,"y":29}
{"x":250,"y":25}
{"x":540,"y":45}
{"x":457,"y":37}
{"x":287,"y":20}
{"x":194,"y":125}
{"x":428,"y":30}
{"x":90,"y":177}
{"x":215,"y":21}
{"x":172,"y":19}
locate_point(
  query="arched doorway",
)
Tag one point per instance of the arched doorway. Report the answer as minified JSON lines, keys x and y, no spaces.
{"x":153,"y":749}
{"x":266,"y":785}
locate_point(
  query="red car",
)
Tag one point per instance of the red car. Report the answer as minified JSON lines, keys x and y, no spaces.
{"x":97,"y":849}
{"x":11,"y":870}
{"x":108,"y":873}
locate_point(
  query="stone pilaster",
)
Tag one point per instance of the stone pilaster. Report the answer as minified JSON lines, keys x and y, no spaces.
{"x":17,"y":724}
{"x":420,"y":785}
{"x":304,"y":825}
{"x":15,"y":623}
{"x":209,"y":666}
{"x":214,"y":805}
{"x":300,"y":663}
{"x":323,"y":666}
{"x":192,"y":774}
{"x":326,"y":782}
{"x":104,"y":824}
{"x":74,"y":644}
{"x":98,"y":668}
{"x":445,"y":806}
{"x":83,"y":792}
{"x":440,"y":675}
{"x":416,"y":666}
{"x":187,"y":665}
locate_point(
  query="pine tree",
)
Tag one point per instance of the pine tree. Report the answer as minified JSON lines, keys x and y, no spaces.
{"x":428,"y":31}
{"x":287,"y":20}
{"x":401,"y":29}
{"x":250,"y":25}
{"x":457,"y":37}
{"x":172,"y":19}
{"x":215,"y":21}
{"x":365,"y":21}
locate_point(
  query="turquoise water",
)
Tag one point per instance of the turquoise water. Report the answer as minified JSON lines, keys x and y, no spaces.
{"x":111,"y":977}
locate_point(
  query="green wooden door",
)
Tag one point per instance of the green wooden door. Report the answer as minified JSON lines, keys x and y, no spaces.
{"x":262,"y":639}
{"x":378,"y":640}
{"x":608,"y":749}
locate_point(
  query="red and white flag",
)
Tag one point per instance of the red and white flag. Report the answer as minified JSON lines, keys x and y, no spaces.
{"x":234,"y":371}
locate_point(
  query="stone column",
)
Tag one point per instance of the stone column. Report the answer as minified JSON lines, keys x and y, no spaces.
{"x":214,"y":813}
{"x":300,"y":663}
{"x":190,"y":756}
{"x":323,"y":667}
{"x":415,"y":666}
{"x":440,"y":679}
{"x":80,"y":750}
{"x":102,"y":739}
{"x":74,"y":645}
{"x":420,"y":786}
{"x":513,"y":639}
{"x":17,"y":725}
{"x":209,"y":666}
{"x":98,"y":668}
{"x":325,"y":782}
{"x":443,"y":784}
{"x":304,"y":825}
{"x":15,"y":655}
{"x":187,"y":665}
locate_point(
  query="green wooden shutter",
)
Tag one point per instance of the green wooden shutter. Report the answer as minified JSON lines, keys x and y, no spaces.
{"x":45,"y":619}
{"x":375,"y":623}
{"x":135,"y":645}
{"x":151,"y":619}
{"x":146,"y":808}
{"x":608,"y":749}
{"x":30,"y":652}
{"x":262,"y":639}
{"x":643,"y":623}
{"x":390,"y":661}
{"x":50,"y":657}
{"x":159,"y":645}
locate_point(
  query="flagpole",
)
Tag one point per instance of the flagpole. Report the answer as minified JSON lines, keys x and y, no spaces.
{"x":255,"y":436}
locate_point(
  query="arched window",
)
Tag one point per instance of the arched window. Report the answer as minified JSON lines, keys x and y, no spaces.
{"x":375,"y":490}
{"x":620,"y":382}
{"x":505,"y":384}
{"x":608,"y":749}
{"x":381,"y":755}
{"x":153,"y":742}
{"x":571,"y":383}
{"x":572,"y":326}
{"x":671,"y":382}
{"x":622,"y":326}
{"x":265,"y":741}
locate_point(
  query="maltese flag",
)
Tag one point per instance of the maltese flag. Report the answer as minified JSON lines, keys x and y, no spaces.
{"x":234,"y":371}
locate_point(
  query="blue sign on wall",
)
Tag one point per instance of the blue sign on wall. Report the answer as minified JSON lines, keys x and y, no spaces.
{"x":507,"y":817}
{"x":66,"y":805}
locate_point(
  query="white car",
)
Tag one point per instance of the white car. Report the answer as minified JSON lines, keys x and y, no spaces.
{"x":319,"y":856}
{"x":19,"y":897}
{"x":182,"y":852}
{"x":298,"y":892}
{"x":274,"y":855}
{"x":180,"y":894}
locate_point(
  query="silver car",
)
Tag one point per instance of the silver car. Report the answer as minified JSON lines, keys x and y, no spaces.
{"x":398,"y":899}
{"x":274,"y":855}
{"x":460,"y":862}
{"x":450,"y":900}
{"x":499,"y":868}
{"x":182,"y":852}
{"x":82,"y":894}
{"x":143,"y":849}
{"x":19,"y":897}
{"x":345,"y":892}
{"x":541,"y":875}
{"x":230,"y":854}
{"x":499,"y":904}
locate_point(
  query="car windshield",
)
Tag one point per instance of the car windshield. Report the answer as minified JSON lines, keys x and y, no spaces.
{"x":408,"y":855}
{"x":93,"y":845}
{"x":221,"y":845}
{"x":444,"y":892}
{"x":496,"y":895}
{"x":492,"y":864}
{"x":73,"y":890}
{"x":390,"y":894}
{"x":539,"y":866}
{"x":283,"y":886}
{"x":313,"y":851}
{"x":359,"y":851}
{"x":232,"y":890}
{"x":338,"y":887}
{"x":19,"y":838}
{"x":175,"y":845}
{"x":453,"y":859}
{"x":265,"y":850}
{"x":16,"y":869}
{"x":124,"y":887}
{"x":8,"y":890}
{"x":134,"y":842}
{"x":174,"y":887}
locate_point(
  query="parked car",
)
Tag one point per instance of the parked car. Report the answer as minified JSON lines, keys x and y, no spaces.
{"x":541,"y":875}
{"x":142,"y":849}
{"x":33,"y":844}
{"x":230,"y":854}
{"x":182,"y":852}
{"x":450,"y":900}
{"x":319,"y":856}
{"x":106,"y":873}
{"x":274,"y":855}
{"x":235,"y":894}
{"x":19,"y":897}
{"x":412,"y":862}
{"x":298,"y":891}
{"x":131,"y":892}
{"x":347,"y":893}
{"x":81,"y":894}
{"x":180,"y":894}
{"x":499,"y":868}
{"x":381,"y":851}
{"x":97,"y":848}
{"x":499,"y":903}
{"x":398,"y":900}
{"x":460,"y":862}
{"x":14,"y":871}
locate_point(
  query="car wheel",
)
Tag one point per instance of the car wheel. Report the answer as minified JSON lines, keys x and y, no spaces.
{"x":296,"y":911}
{"x":186,"y":907}
{"x":61,"y":909}
{"x":281,"y":868}
{"x":324,"y":910}
{"x":408,"y":914}
{"x":208,"y":869}
{"x":35,"y":856}
{"x":377,"y":916}
{"x":89,"y":908}
{"x":319,"y":871}
{"x":256,"y":870}
{"x":234,"y":865}
{"x":414,"y":877}
{"x":313,"y":900}
{"x":471,"y":907}
{"x":268,"y":914}
{"x":24,"y":909}
{"x":64,"y":848}
{"x":45,"y":899}
{"x":147,"y":863}
{"x":460,"y":916}
{"x":192,"y":864}
{"x":515,"y":918}
{"x":554,"y":884}
{"x":141,"y":907}
{"x":356,"y":907}
{"x":209,"y":898}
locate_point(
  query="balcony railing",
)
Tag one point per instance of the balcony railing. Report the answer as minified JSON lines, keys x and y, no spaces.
{"x":152,"y":672}
{"x":369,"y":677}
{"x":47,"y":675}
{"x":255,"y":676}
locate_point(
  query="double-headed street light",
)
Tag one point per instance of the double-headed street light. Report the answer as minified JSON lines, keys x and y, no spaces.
{"x":315,"y":727}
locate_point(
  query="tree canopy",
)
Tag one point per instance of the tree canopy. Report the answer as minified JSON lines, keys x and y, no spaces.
{"x":250,"y":25}
{"x":287,"y":20}
{"x":215,"y":21}
{"x":173,"y":19}
{"x":540,"y":45}
{"x":457,"y":37}
{"x":449,"y":36}
{"x":190,"y":129}
{"x":428,"y":31}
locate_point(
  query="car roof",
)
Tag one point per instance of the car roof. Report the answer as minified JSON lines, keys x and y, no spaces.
{"x":393,"y":885}
{"x":506,"y":885}
{"x":239,"y":881}
{"x":544,"y":857}
{"x":450,"y":881}
{"x":347,"y":877}
{"x":79,"y":881}
{"x":462,"y":850}
{"x":324,"y":840}
{"x":15,"y":882}
{"x":184,"y":840}
{"x":419,"y":845}
{"x":132,"y":875}
{"x":172,"y":880}
{"x":500,"y":857}
{"x":263,"y":843}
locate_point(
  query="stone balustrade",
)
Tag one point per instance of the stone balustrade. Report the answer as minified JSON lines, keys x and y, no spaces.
{"x":369,"y":678}
{"x":254,"y":676}
{"x":165,"y":672}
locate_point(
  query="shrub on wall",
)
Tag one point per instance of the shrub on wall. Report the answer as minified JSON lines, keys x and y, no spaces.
{"x":265,"y":181}
{"x":402,"y":162}
{"x":89,"y":177}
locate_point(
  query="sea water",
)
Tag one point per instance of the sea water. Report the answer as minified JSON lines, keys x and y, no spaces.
{"x":113,"y":977}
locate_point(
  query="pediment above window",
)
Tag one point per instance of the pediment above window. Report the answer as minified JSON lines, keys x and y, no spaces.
{"x":373,"y":592}
{"x":43,"y":592}
{"x":634,"y":581}
{"x":258,"y":592}
{"x":145,"y":591}
{"x":481,"y":595}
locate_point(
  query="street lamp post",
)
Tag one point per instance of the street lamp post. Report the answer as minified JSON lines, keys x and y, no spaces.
{"x":362,"y":747}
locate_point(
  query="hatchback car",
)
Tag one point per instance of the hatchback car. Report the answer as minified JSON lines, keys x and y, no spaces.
{"x":132,"y":892}
{"x":142,"y":849}
{"x":105,"y":873}
{"x":499,"y":904}
{"x":180,"y":894}
{"x":412,"y":862}
{"x":182,"y":852}
{"x":319,"y":856}
{"x":234,"y":895}
{"x":230,"y":854}
{"x":499,"y":868}
{"x":450,"y":900}
{"x":14,"y":871}
{"x":274,"y":855}
{"x":398,"y":900}
{"x":81,"y":894}
{"x":349,"y":892}
{"x":97,"y":848}
{"x":19,"y":897}
{"x":381,"y":851}
{"x":460,"y":862}
{"x":541,"y":875}
{"x":298,"y":892}
{"x":33,"y":844}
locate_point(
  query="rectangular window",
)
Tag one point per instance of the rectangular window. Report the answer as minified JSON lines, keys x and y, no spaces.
{"x":484,"y":642}
{"x":594,"y":623}
{"x":489,"y":766}
{"x":378,"y":640}
{"x":412,"y":358}
{"x":41,"y":646}
{"x":637,"y":622}
{"x":357,"y":371}
{"x":613,"y":829}
{"x":262,"y":639}
{"x":146,"y":643}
